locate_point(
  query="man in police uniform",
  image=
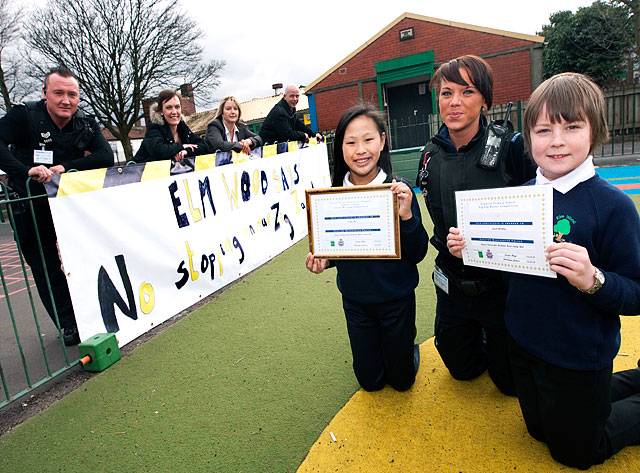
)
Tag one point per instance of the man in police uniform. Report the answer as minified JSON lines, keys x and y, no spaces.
{"x":37,"y":140}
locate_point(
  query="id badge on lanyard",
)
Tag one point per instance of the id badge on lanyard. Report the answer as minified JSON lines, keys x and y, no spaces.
{"x":440,"y":279}
{"x":42,"y":156}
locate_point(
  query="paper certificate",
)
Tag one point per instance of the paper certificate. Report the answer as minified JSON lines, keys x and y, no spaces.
{"x":507,"y":229}
{"x":353,"y":222}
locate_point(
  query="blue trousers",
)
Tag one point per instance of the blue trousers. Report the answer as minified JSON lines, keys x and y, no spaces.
{"x":382,"y":338}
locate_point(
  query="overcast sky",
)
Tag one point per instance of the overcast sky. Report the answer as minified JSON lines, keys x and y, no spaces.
{"x":295,"y":42}
{"x":286,"y":41}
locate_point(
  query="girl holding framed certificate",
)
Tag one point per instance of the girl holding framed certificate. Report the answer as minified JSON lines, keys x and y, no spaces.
{"x":377,"y":295}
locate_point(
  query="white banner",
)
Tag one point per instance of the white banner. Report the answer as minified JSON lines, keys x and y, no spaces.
{"x":135,"y":254}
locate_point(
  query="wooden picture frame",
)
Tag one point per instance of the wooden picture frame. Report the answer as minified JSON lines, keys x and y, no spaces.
{"x":355,"y":222}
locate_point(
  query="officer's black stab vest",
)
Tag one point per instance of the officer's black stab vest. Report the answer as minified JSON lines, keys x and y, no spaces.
{"x":45,"y":135}
{"x":456,"y":171}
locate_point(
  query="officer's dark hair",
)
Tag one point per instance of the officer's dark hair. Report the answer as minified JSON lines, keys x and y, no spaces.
{"x":340,"y":168}
{"x":62,"y":71}
{"x":164,"y":95}
{"x":479,"y":71}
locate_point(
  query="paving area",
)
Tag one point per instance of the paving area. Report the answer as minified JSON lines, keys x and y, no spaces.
{"x":625,"y":178}
{"x":30,"y":349}
{"x":445,"y":425}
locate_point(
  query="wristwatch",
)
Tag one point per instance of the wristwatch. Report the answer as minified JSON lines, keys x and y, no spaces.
{"x":598,"y":281}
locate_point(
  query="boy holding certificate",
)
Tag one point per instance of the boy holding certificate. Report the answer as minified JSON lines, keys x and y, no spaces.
{"x":377,"y":295}
{"x":565,"y":332}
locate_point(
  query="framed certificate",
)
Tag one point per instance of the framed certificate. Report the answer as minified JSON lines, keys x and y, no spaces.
{"x":355,"y":222}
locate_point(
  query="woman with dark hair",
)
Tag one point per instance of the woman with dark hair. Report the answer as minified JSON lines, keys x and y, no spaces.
{"x":470,"y":332}
{"x":377,"y":295}
{"x":226,"y":132}
{"x":168,"y":136}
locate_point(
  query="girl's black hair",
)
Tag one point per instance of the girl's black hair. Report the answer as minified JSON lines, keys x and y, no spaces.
{"x":339,"y":166}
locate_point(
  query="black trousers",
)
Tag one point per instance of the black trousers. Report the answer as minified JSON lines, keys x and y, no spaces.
{"x":382,"y":338}
{"x":471,"y":336}
{"x":584,"y":417}
{"x":26,"y":235}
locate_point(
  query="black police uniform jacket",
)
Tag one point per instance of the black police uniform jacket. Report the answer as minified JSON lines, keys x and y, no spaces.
{"x":27,"y":127}
{"x":450,"y":170}
{"x":282,"y":124}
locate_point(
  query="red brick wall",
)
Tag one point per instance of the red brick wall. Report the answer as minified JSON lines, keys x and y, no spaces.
{"x":511,"y":77}
{"x":188,"y":106}
{"x":512,"y":72}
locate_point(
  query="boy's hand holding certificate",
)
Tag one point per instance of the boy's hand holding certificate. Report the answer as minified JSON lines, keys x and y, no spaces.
{"x":507,"y":229}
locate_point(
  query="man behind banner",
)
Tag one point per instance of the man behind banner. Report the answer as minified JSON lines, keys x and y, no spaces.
{"x":48,"y":137}
{"x":282,"y":124}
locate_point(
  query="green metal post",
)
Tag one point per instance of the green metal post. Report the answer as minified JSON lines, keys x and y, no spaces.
{"x":519,"y":115}
{"x":613,"y":120}
{"x":26,"y":280}
{"x":634,"y":126}
{"x":623,"y":113}
{"x":15,"y":328}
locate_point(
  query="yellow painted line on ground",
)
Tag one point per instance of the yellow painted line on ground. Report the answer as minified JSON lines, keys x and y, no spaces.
{"x":443,"y":425}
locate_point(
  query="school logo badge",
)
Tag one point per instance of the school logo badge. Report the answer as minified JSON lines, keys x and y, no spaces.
{"x":562,"y":227}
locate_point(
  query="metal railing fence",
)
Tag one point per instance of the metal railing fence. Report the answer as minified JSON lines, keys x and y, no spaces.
{"x":623,"y":119}
{"x":32,"y":351}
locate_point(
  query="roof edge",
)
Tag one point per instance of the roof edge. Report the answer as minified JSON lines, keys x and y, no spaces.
{"x":414,"y":16}
{"x":362,"y":46}
{"x":482,"y":29}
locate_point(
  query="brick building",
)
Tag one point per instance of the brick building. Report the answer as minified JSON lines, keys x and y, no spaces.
{"x":393,"y":68}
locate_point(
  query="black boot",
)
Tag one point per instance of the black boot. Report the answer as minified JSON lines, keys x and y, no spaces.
{"x":70,"y":336}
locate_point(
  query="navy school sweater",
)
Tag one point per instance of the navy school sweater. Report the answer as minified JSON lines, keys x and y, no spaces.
{"x":376,"y":281}
{"x":556,"y":322}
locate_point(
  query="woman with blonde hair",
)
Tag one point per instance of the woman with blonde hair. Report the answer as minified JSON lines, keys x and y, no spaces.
{"x":227,"y":133}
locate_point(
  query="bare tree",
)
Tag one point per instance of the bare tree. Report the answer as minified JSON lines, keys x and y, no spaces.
{"x":14,"y":84}
{"x":122,"y":51}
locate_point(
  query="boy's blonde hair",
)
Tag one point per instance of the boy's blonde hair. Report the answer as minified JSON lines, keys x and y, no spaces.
{"x":571,"y":97}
